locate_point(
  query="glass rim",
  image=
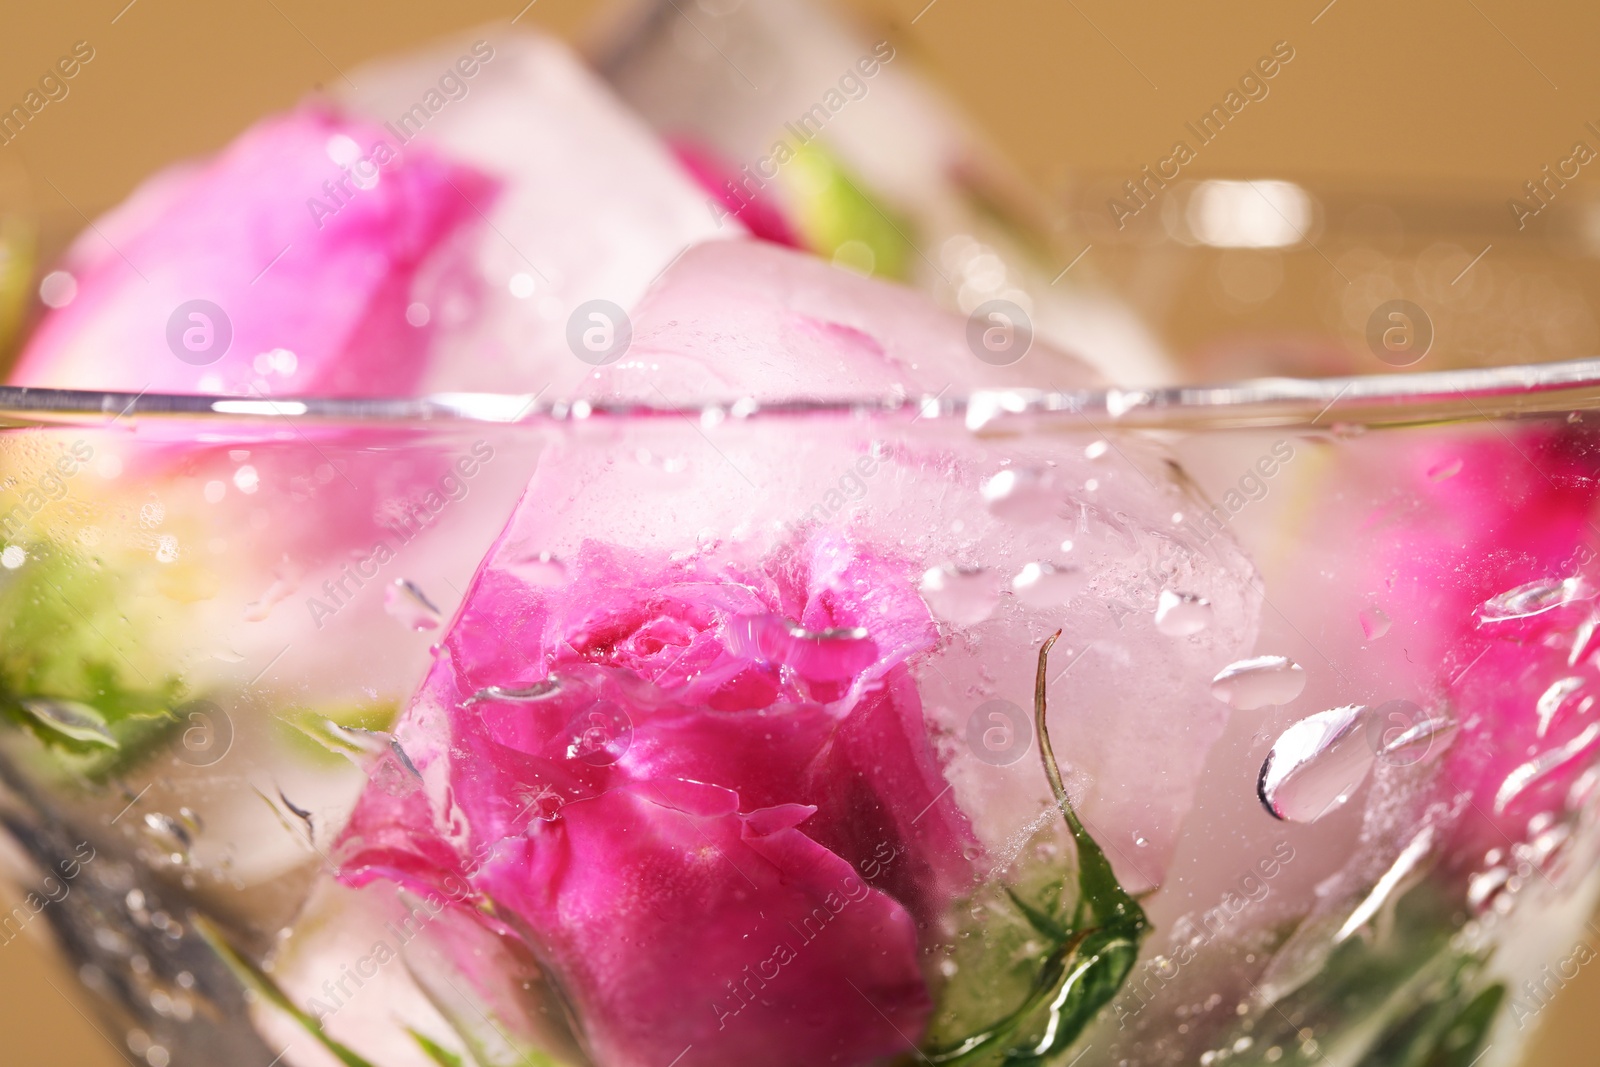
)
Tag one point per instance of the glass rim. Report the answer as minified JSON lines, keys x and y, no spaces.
{"x":1395,"y":399}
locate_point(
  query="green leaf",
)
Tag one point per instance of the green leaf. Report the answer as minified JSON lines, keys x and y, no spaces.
{"x":1088,"y":960}
{"x":1463,"y":1043}
{"x":72,"y":669}
{"x":1449,"y":1031}
{"x":253,"y":977}
{"x":435,"y":1051}
{"x":833,"y":211}
{"x":1407,"y":999}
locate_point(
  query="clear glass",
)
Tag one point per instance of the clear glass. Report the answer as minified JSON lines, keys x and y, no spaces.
{"x":1321,"y":699}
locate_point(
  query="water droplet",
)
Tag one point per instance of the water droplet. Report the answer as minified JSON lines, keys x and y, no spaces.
{"x":1096,"y":449}
{"x":1045,"y":585}
{"x":70,"y":719}
{"x":1182,"y":614}
{"x":1552,"y":699}
{"x":1536,"y":770}
{"x":1446,"y":469}
{"x":961,"y":596}
{"x":600,"y":734}
{"x":1316,"y":765}
{"x":1258,"y":682}
{"x":1375,"y":622}
{"x":1534,"y":598}
{"x":1023,"y":495}
{"x":405,"y":601}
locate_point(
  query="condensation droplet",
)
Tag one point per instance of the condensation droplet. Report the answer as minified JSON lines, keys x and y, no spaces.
{"x":1316,"y":765}
{"x":1259,"y":682}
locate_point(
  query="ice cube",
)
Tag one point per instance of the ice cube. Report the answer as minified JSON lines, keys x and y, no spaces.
{"x":866,"y":138}
{"x":590,"y":205}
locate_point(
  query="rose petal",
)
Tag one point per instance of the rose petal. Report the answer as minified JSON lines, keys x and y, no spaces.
{"x":807,"y":965}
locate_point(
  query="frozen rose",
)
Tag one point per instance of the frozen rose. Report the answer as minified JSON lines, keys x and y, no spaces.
{"x":304,"y":235}
{"x":703,"y":793}
{"x":696,"y":734}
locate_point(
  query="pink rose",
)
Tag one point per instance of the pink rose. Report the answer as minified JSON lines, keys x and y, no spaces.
{"x":1495,"y":571}
{"x":702,"y":791}
{"x":304,"y":235}
{"x":727,"y":187}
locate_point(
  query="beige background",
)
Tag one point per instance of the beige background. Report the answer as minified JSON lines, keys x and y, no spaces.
{"x":1469,"y":94}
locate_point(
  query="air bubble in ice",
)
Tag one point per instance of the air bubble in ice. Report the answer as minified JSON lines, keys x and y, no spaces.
{"x":543,"y":570}
{"x":1402,"y":733}
{"x":1259,"y":681}
{"x":520,"y":694}
{"x":1316,"y":765}
{"x":1400,"y":873}
{"x":405,"y":601}
{"x":1542,"y":766}
{"x":170,"y":835}
{"x":1485,"y":887}
{"x":961,"y":596}
{"x":1534,"y":598}
{"x":1446,"y":469}
{"x":1022,"y":495}
{"x":1552,"y":699}
{"x":1182,"y":614}
{"x":1045,"y":585}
